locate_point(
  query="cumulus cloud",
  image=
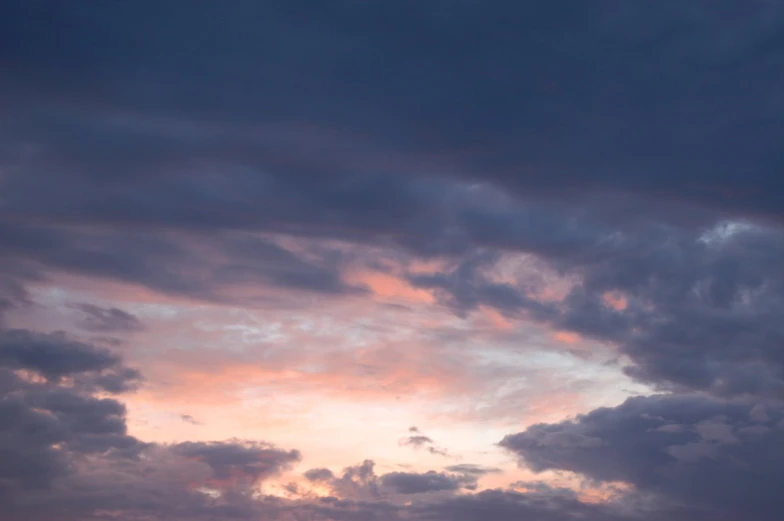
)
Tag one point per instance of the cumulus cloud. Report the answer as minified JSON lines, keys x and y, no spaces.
{"x":697,"y":314}
{"x":56,"y":355}
{"x":53,"y":355}
{"x":689,"y":449}
{"x":320,"y":474}
{"x":238,"y":460}
{"x":47,"y":425}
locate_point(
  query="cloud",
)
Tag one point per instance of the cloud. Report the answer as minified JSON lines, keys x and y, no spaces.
{"x":47,"y":425}
{"x":66,"y":448}
{"x":79,"y":441}
{"x":471,"y":469}
{"x":498,"y":504}
{"x":319,"y":475}
{"x":13,"y":294}
{"x":190,"y":419}
{"x":437,"y":451}
{"x":417,"y":441}
{"x":238,"y":460}
{"x":526,"y":78}
{"x":420,"y":441}
{"x":699,"y":311}
{"x":407,"y":152}
{"x":413,"y":483}
{"x":629,"y":152}
{"x":709,"y":454}
{"x":183,"y":264}
{"x":56,"y":355}
{"x":357,"y":482}
{"x":361,"y":482}
{"x":106,"y":320}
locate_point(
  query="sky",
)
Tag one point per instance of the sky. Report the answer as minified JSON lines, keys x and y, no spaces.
{"x":374,"y":260}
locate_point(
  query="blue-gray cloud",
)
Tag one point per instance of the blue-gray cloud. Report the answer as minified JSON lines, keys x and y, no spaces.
{"x":106,"y":320}
{"x":716,"y":456}
{"x":167,"y":144}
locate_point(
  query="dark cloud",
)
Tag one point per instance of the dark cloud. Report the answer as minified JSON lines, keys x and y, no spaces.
{"x":48,"y":426}
{"x":490,"y":504}
{"x":238,"y":459}
{"x":28,"y":437}
{"x":541,"y":99}
{"x":56,"y":355}
{"x":465,"y":288}
{"x":498,"y":504}
{"x":715,"y":456}
{"x":199,"y":136}
{"x":357,"y":482}
{"x":53,"y":355}
{"x":360,"y":482}
{"x":117,"y":380}
{"x":698,"y":307}
{"x":631,"y":148}
{"x":12,"y":294}
{"x":106,"y":320}
{"x":319,"y":475}
{"x":414,"y":483}
{"x":186,"y":264}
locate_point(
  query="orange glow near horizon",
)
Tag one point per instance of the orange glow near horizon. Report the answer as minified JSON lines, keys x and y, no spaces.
{"x":342,"y":378}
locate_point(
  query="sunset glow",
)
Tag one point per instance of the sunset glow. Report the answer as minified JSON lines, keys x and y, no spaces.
{"x":391,"y":260}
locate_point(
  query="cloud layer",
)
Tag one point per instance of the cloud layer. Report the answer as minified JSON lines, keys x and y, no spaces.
{"x":243,"y":246}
